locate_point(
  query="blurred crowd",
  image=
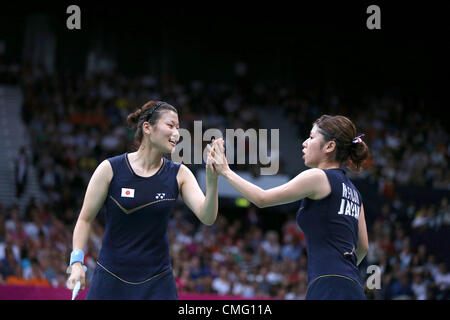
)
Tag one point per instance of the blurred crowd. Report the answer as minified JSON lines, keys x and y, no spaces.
{"x":233,"y":257}
{"x":76,"y":121}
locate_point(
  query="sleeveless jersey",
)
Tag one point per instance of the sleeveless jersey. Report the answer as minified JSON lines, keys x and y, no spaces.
{"x":135,"y":245}
{"x":331,"y":229}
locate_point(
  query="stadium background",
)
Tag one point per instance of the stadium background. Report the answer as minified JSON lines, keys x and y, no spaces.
{"x":65,"y":95}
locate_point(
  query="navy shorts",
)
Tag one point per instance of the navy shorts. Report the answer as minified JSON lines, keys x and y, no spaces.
{"x":335,"y":288}
{"x":106,"y":286}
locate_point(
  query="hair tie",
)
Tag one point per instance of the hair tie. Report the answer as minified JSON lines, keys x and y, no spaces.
{"x":358,"y":138}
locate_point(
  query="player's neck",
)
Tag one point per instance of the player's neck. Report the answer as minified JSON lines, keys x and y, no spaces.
{"x":329,"y":165}
{"x":145,"y":159}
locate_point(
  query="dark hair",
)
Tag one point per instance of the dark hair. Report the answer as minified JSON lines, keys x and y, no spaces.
{"x":151,"y":112}
{"x":350,"y":152}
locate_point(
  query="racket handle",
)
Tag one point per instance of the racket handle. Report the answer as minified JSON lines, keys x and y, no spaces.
{"x":76,"y":288}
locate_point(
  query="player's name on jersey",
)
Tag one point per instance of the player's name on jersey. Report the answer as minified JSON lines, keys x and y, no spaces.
{"x":350,"y":205}
{"x":350,"y":193}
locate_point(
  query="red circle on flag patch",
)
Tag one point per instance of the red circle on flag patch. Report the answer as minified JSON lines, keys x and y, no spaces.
{"x":128,"y":192}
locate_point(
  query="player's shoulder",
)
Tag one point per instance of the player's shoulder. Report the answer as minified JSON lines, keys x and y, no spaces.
{"x":315,"y":174}
{"x":104,"y":170}
{"x":115,"y":159}
{"x":105,"y":164}
{"x":312,"y":181}
{"x":183,"y":169}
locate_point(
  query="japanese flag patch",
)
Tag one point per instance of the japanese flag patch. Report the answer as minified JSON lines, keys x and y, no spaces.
{"x":127,"y":193}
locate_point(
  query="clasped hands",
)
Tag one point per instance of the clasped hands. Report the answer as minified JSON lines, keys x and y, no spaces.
{"x":216,"y":159}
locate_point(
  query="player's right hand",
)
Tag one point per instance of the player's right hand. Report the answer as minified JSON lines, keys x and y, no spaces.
{"x":76,"y":274}
{"x":218,"y":157}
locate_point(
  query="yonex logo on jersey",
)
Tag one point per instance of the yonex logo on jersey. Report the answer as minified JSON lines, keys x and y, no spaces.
{"x":127,"y":193}
{"x":160,"y":196}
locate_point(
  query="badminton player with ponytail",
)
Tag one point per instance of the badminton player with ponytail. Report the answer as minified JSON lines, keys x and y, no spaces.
{"x":139,"y":190}
{"x":331,"y":213}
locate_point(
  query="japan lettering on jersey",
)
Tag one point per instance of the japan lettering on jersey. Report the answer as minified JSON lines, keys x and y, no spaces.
{"x":350,"y":204}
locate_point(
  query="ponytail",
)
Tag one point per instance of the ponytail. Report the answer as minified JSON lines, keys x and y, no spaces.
{"x":359,"y":152}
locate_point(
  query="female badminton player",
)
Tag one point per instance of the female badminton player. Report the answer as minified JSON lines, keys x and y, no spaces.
{"x":139,"y":190}
{"x":331,"y":212}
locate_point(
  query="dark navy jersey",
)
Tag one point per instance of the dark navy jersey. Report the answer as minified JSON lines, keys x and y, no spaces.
{"x":135,"y":245}
{"x":331,"y":229}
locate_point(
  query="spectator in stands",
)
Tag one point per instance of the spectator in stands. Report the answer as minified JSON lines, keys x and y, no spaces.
{"x":292,"y":249}
{"x":221,"y":284}
{"x":271,"y":245}
{"x":418,"y":286}
{"x":442,"y":277}
{"x":37,"y":278}
{"x":401,"y":287}
{"x":21,"y":172}
{"x":16,"y":278}
{"x":8,"y":265}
